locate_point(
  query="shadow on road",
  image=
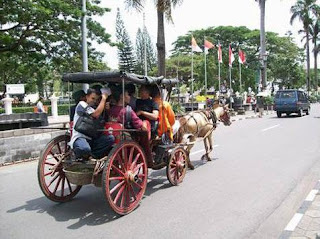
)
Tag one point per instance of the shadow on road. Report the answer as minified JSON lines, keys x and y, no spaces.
{"x":89,"y":207}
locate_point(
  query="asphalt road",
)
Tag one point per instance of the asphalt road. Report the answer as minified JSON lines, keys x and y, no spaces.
{"x":261,"y":172}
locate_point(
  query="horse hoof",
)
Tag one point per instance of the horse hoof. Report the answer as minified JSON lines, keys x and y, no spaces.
{"x":209,"y":159}
{"x":190,"y":166}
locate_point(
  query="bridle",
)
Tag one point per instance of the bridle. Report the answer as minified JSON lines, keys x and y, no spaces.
{"x":225,"y":117}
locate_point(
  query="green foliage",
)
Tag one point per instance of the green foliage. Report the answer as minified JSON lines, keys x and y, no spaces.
{"x":284,"y":61}
{"x":269,"y":100}
{"x":42,"y":39}
{"x":177,"y":108}
{"x":125,"y":49}
{"x":151,"y":56}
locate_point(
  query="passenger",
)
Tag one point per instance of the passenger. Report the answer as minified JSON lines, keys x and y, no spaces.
{"x":83,"y":146}
{"x":146,"y":108}
{"x":132,"y":90}
{"x":77,"y":96}
{"x":166,"y":114}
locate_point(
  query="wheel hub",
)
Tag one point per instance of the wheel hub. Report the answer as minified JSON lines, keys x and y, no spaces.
{"x":129,"y":176}
{"x":180,"y":165}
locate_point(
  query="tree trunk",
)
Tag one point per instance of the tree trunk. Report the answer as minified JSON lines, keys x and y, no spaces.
{"x":308,"y":62}
{"x":263,"y":43}
{"x":161,"y":47}
{"x":315,"y":54}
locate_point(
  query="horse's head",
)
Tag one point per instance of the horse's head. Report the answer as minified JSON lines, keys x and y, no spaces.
{"x":223,"y":114}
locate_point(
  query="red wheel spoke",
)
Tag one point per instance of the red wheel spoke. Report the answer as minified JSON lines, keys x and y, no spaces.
{"x":69,"y":186}
{"x":119,"y":194}
{"x":120,"y":161}
{"x":56,"y":187}
{"x":132,"y":192}
{"x":51,"y":164}
{"x":125,"y":157}
{"x":54,"y":179}
{"x":116,"y":187}
{"x":130,"y":156}
{"x":49,"y":173}
{"x":122,"y":198}
{"x":116,"y":178}
{"x":62,"y":186}
{"x":135,"y":170}
{"x":59,"y":148}
{"x":173,"y":164}
{"x":135,"y":161}
{"x":50,"y":152}
{"x":117,"y":169}
{"x":137,"y":184}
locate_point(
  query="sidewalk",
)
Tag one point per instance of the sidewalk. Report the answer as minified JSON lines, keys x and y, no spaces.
{"x":305,"y":224}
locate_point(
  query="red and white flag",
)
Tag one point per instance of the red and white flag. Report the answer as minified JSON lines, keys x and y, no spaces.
{"x":194,"y":45}
{"x":207,"y":45}
{"x":231,"y":56}
{"x":219,"y":54}
{"x":242,"y":57}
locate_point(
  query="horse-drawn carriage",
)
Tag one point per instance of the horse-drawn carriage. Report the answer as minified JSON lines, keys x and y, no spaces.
{"x":123,"y":173}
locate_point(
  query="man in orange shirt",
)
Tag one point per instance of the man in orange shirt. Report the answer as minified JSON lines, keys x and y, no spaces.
{"x":166,"y":114}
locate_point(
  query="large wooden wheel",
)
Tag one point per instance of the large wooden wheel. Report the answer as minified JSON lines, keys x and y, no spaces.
{"x":52,"y":179}
{"x":124,"y":178}
{"x":177,"y":166}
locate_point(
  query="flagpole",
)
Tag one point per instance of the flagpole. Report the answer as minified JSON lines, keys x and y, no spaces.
{"x":240,"y":77}
{"x":191,"y":79}
{"x":219,"y":70}
{"x":205,"y":69}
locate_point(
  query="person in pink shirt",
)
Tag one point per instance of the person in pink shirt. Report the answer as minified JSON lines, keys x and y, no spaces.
{"x":118,"y":112}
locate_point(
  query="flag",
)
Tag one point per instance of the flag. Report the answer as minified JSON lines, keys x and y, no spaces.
{"x":195,"y":46}
{"x":219,"y":54}
{"x":242,"y":57}
{"x":207,"y":45}
{"x":231,"y":56}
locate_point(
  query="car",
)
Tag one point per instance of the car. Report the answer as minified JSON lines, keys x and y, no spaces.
{"x":291,"y":101}
{"x":64,"y":100}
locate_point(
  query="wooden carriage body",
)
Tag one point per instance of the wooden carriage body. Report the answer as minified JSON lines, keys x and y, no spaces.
{"x":123,"y":173}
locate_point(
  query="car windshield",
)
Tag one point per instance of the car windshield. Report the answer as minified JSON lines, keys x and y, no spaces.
{"x":285,"y":94}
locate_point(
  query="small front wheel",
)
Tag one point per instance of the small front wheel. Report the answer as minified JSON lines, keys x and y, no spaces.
{"x":177,"y":166}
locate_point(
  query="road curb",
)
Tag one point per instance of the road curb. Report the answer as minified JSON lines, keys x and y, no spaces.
{"x":296,"y":226}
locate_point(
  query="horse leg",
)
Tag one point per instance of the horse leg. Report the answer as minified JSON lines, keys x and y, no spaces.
{"x":205,"y":156}
{"x":210,"y":145}
{"x":190,"y":165}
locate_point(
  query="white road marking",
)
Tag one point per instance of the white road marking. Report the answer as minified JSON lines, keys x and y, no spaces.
{"x":294,"y":222}
{"x":202,"y":150}
{"x":272,"y":127}
{"x":312,"y":195}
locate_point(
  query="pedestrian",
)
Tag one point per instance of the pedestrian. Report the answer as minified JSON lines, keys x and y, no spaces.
{"x":40,"y":107}
{"x":260,"y":105}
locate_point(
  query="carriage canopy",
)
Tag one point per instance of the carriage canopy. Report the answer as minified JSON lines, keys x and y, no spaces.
{"x":116,"y":77}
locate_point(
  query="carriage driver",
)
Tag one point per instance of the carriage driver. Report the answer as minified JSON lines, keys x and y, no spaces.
{"x":83,"y":146}
{"x":146,"y":108}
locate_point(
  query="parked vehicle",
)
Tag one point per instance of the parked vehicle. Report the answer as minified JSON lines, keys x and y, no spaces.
{"x":291,"y":101}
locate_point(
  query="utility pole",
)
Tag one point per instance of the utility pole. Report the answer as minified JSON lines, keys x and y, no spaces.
{"x":145,"y":45}
{"x":85,"y":87}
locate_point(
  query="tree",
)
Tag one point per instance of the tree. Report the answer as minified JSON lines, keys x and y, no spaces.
{"x":285,"y":58}
{"x":262,"y":4}
{"x":125,"y":50}
{"x":141,"y":37}
{"x":303,"y":10}
{"x":315,"y":38}
{"x":164,"y":8}
{"x":37,"y":35}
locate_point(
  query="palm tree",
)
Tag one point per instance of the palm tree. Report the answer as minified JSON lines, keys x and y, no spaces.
{"x":315,"y":37}
{"x":262,"y":4}
{"x":164,"y":8}
{"x":303,"y":10}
